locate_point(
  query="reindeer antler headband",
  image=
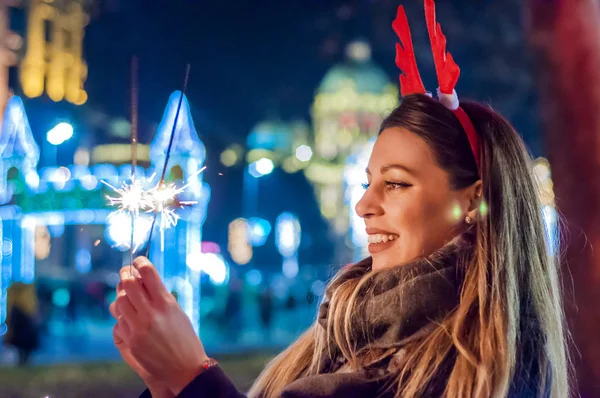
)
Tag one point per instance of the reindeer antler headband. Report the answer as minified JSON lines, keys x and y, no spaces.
{"x":446,"y":69}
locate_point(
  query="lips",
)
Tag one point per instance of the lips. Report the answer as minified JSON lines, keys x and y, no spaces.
{"x":380,"y":239}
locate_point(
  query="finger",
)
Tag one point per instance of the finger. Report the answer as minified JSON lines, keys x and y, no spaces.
{"x":150,"y":277}
{"x":113,"y":310}
{"x":126,"y":273}
{"x":137,"y":295}
{"x":125,"y":309}
{"x":117,"y":338}
{"x":122,"y":331}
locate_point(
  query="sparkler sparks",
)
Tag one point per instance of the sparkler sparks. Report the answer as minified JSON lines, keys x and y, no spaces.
{"x":131,"y":198}
{"x":164,"y":197}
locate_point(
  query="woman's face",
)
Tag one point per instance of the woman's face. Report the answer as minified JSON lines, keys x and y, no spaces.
{"x":409,"y":208}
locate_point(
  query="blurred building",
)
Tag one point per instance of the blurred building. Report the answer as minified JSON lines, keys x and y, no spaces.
{"x":53,"y":61}
{"x":351,"y":102}
{"x":55,"y":220}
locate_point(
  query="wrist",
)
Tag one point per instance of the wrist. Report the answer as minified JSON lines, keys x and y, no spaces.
{"x":186,"y":377}
{"x":158,"y":390}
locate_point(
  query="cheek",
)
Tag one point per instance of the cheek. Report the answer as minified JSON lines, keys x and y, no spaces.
{"x":423,"y":222}
{"x":439,"y":222}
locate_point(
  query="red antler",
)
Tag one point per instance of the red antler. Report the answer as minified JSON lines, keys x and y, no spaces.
{"x":446,"y":69}
{"x":410,"y":80}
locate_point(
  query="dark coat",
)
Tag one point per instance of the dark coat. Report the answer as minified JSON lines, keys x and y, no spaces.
{"x":213,"y":383}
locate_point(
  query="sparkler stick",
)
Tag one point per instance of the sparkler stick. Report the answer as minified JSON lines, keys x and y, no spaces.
{"x":134,"y":123}
{"x":160,"y":185}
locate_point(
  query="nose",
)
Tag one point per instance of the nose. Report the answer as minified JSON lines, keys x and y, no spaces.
{"x":369,"y":205}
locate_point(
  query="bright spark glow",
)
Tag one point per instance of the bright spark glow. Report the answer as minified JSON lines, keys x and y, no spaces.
{"x":131,"y":198}
{"x":162,"y":198}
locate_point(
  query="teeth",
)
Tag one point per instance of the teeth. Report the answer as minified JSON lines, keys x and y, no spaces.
{"x":381,"y":238}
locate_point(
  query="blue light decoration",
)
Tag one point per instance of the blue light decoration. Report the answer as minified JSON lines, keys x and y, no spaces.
{"x":83,"y":261}
{"x":187,"y":157}
{"x":60,"y":133}
{"x":258,"y":231}
{"x":17,"y":146}
{"x":254,"y":277}
{"x":72,"y":195}
{"x":61,"y":297}
{"x":3,"y":286}
{"x":287,"y":239}
{"x":261,"y":167}
{"x":197,"y":262}
{"x":354,"y":177}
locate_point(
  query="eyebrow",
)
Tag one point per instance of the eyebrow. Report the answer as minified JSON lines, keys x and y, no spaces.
{"x":387,"y":167}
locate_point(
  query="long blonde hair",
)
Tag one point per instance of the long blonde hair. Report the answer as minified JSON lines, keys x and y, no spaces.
{"x":510,"y":297}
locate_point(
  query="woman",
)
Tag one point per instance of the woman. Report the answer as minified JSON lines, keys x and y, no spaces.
{"x":460,"y":297}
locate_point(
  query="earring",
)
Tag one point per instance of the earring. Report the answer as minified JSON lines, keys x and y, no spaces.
{"x":468,"y":220}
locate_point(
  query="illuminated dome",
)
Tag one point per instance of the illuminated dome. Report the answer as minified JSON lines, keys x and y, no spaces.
{"x":358,"y":71}
{"x":357,"y":84}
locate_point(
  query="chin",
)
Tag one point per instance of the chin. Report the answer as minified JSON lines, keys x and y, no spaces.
{"x":383,"y":262}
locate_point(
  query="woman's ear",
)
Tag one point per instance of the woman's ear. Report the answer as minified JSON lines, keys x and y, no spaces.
{"x":474,"y":195}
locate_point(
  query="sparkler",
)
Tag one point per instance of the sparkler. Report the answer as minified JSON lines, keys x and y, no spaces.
{"x":133,"y":197}
{"x":165,"y":194}
{"x":134,"y":123}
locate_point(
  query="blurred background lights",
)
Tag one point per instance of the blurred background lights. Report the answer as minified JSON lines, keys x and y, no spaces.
{"x":59,"y":133}
{"x":290,"y":267}
{"x":287,"y":234}
{"x":318,"y":288}
{"x":229,"y":157}
{"x":211,"y":264}
{"x":258,"y":231}
{"x":238,"y":245}
{"x":83,"y":261}
{"x":82,"y":157}
{"x":304,"y":153}
{"x":254,"y":277}
{"x":61,"y":297}
{"x":261,"y":167}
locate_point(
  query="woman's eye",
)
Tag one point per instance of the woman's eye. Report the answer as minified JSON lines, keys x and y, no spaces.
{"x":396,"y":185}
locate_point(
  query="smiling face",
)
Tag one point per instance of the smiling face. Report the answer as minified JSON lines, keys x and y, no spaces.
{"x":409,"y":206}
